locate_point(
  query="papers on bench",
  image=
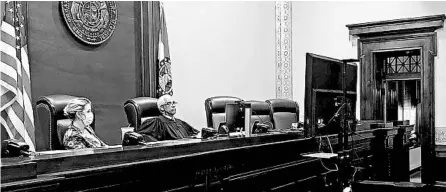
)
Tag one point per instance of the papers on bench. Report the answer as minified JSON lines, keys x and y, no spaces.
{"x":321,"y":155}
{"x":77,"y":151}
{"x":51,"y":152}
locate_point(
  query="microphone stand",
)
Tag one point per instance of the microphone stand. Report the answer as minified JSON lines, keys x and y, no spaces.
{"x":336,"y":114}
{"x":344,"y":95}
{"x":340,"y":132}
{"x":343,"y":133}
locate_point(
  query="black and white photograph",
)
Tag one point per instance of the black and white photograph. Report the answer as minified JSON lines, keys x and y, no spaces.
{"x":211,"y":96}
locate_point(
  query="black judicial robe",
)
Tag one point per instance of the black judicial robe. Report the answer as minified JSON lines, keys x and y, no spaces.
{"x":162,"y":128}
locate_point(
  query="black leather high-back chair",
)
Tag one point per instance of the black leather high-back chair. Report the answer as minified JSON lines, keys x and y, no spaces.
{"x":140,"y":109}
{"x":53,"y":123}
{"x":260,"y":112}
{"x":215,"y":109}
{"x":284,"y":112}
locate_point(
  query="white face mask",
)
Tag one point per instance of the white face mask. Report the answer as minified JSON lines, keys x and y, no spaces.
{"x":88,"y":118}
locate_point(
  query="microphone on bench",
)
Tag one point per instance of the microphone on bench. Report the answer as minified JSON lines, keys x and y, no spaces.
{"x":15,"y":148}
{"x":261,"y":127}
{"x":133,"y":138}
{"x":208,"y":132}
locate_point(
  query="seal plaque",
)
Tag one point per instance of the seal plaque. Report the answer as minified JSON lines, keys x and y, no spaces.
{"x":92,"y":22}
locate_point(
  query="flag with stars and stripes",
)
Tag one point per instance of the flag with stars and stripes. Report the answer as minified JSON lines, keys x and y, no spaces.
{"x":17,"y":119}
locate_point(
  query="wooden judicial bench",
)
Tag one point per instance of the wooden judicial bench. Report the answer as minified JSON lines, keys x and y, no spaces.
{"x":271,"y":162}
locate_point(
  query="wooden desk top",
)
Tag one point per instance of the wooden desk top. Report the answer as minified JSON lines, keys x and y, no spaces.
{"x":72,"y":160}
{"x":268,"y":161}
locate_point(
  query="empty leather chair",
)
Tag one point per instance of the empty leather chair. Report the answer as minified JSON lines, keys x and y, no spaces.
{"x":283,"y":112}
{"x":53,"y":123}
{"x":260,"y":112}
{"x":215,"y":109}
{"x":140,"y":109}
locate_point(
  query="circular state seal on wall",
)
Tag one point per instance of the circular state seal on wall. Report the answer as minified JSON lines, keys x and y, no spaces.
{"x":92,"y":22}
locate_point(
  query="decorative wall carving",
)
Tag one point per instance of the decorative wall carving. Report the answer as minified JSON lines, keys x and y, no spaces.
{"x":92,"y":22}
{"x":284,"y":76}
{"x":440,"y":136}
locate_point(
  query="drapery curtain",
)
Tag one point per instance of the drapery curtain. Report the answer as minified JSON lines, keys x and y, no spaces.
{"x":154,"y":64}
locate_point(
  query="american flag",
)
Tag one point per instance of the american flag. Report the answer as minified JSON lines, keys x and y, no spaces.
{"x":17,"y":118}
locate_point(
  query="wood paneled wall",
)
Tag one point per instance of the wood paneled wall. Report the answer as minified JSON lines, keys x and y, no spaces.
{"x":106,"y":74}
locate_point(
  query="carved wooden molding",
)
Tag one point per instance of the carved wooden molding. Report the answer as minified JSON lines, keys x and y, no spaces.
{"x":432,"y":36}
{"x":398,"y":26}
{"x":440,"y":136}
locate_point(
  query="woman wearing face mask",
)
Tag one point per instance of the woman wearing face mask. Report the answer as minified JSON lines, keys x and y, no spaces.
{"x":79,"y":134}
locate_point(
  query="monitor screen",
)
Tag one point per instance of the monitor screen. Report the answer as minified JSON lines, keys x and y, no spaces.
{"x":327,"y":74}
{"x":234,"y":116}
{"x":329,"y":104}
{"x":323,"y":88}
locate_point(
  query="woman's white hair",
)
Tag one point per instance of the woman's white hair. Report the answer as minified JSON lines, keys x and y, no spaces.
{"x":75,"y":105}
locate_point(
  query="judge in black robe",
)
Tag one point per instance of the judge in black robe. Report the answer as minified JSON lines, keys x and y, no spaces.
{"x":166,"y":126}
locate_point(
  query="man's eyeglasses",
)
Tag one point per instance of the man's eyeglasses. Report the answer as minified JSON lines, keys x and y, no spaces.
{"x":171,"y":103}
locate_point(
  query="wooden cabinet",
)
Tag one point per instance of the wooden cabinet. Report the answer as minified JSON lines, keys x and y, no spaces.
{"x":377,"y":38}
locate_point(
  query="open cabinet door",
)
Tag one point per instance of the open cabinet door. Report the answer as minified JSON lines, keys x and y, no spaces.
{"x":323,"y":88}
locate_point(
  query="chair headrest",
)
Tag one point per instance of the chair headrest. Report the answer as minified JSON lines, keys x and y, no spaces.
{"x":218,"y":104}
{"x":57,"y":103}
{"x":283,"y":105}
{"x":62,"y":127}
{"x":146,"y":106}
{"x":259,"y":107}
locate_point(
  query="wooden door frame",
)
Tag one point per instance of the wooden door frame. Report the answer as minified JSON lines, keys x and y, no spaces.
{"x":401,"y":34}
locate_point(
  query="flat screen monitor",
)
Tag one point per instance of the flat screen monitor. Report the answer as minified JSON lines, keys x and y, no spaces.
{"x":322,"y":88}
{"x":234,"y":116}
